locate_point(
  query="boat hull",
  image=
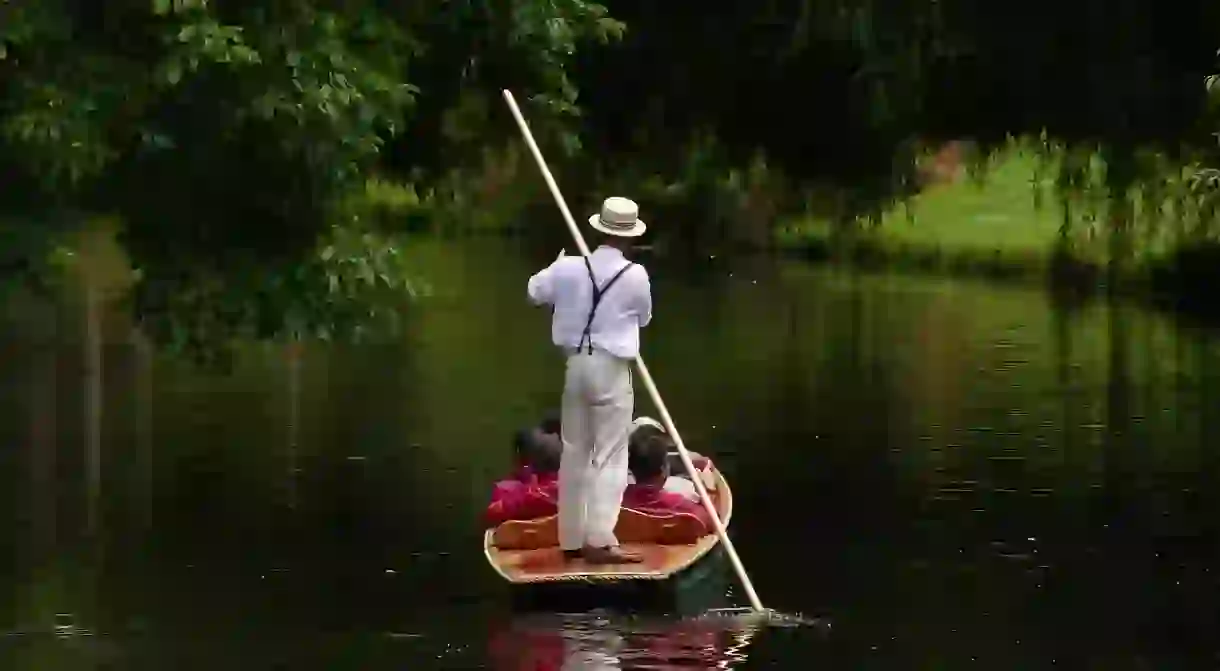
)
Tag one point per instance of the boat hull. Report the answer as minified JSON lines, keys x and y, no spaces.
{"x":674,"y":569}
{"x":700,"y":587}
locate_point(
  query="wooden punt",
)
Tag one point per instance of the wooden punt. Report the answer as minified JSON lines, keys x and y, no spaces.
{"x":526,"y":553}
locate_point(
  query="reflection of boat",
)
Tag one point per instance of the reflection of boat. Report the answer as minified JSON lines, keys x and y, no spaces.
{"x":590,"y":642}
{"x":527,"y":556}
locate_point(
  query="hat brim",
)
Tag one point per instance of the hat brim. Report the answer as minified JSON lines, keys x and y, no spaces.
{"x":634,"y":232}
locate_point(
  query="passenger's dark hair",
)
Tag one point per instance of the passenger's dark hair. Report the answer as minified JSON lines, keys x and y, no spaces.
{"x":648,"y":460}
{"x":522,"y":440}
{"x":546,"y":455}
{"x":640,"y":435}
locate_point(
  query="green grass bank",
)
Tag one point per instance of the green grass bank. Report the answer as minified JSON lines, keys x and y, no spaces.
{"x":1010,"y":223}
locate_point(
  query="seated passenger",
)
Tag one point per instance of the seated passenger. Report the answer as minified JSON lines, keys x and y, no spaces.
{"x":644,"y":428}
{"x":650,"y":467}
{"x":523,"y":444}
{"x":522,"y":472}
{"x":537,"y":499}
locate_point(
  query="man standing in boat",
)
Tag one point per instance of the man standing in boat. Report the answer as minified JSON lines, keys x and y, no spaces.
{"x":600,"y":302}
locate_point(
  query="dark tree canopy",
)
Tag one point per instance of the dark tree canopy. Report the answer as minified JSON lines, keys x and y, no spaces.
{"x":227,"y":135}
{"x":831,"y":89}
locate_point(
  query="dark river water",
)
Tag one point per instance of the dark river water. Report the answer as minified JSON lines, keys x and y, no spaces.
{"x":944,"y":474}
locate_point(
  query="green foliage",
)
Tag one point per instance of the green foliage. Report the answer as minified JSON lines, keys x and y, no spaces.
{"x":833,"y":92}
{"x":396,"y":206}
{"x":1202,"y":181}
{"x":235,"y":139}
{"x":231,"y":138}
{"x":31,"y":256}
{"x":353,"y":287}
{"x":474,"y":50}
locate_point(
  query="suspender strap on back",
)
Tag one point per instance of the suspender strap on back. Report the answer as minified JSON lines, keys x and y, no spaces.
{"x":598,"y":293}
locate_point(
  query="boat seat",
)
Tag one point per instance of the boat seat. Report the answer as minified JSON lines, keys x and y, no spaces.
{"x":669,"y":529}
{"x":633,"y":527}
{"x":527,"y":534}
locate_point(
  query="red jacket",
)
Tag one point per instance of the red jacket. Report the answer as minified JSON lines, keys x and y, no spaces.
{"x":521,"y":478}
{"x":540,"y":498}
{"x":654,"y":500}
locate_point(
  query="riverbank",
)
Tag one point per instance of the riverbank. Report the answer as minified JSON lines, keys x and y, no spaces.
{"x":1005,"y":225}
{"x":1011,"y":225}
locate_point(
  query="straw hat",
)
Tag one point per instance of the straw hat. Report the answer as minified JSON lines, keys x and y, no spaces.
{"x":619,"y":217}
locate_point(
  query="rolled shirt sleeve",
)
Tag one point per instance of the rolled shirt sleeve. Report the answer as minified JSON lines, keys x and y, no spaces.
{"x":541,"y":287}
{"x":643,"y":304}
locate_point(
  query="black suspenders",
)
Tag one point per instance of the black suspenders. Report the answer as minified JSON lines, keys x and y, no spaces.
{"x":597,"y":299}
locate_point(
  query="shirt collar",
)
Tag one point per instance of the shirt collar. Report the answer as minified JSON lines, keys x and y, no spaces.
{"x":615,"y":251}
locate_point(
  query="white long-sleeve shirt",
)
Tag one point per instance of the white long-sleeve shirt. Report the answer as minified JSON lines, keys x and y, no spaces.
{"x":624,"y":308}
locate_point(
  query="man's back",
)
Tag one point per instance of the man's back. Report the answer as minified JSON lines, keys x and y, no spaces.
{"x":624,"y":307}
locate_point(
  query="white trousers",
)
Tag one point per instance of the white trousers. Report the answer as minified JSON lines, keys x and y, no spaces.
{"x":596,"y":415}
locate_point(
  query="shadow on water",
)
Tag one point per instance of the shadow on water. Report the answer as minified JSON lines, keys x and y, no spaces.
{"x":952,"y":474}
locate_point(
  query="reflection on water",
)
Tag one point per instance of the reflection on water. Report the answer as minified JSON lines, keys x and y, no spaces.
{"x":592,"y":642}
{"x":951,"y":473}
{"x":585,"y":642}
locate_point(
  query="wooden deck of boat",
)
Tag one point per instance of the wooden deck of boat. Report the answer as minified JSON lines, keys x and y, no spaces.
{"x":531,"y":554}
